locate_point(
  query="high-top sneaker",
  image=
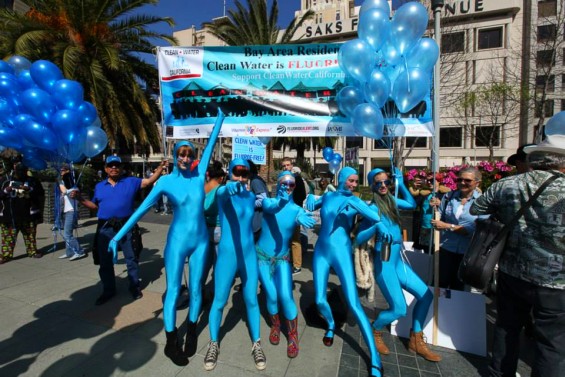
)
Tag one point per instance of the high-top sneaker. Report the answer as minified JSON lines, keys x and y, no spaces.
{"x":259,"y":356}
{"x":211,"y":358}
{"x":173,"y":350}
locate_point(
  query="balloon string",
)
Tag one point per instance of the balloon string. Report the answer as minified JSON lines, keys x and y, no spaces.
{"x":81,"y":171}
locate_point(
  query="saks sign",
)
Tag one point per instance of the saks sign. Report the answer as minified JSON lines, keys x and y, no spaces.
{"x":331,"y":28}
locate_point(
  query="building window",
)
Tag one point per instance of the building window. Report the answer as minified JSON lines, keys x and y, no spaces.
{"x":416,"y":142}
{"x":547,"y":8}
{"x":354,"y":141}
{"x":545,"y":58}
{"x":547,"y":33}
{"x":563,"y":105}
{"x":451,"y":137}
{"x":453,"y":42}
{"x":337,"y":15}
{"x":380,"y":144}
{"x":563,"y":83}
{"x":541,"y":82}
{"x":546,"y":109}
{"x":484,"y":135}
{"x":490,"y":38}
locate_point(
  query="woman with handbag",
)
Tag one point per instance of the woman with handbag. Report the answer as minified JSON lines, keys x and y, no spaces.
{"x":456,"y":225}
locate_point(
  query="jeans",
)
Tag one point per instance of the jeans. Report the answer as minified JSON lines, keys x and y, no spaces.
{"x":514,"y":300}
{"x":106,"y":270}
{"x":73,"y":247}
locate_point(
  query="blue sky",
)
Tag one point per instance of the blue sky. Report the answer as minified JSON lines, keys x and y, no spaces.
{"x":194,"y":12}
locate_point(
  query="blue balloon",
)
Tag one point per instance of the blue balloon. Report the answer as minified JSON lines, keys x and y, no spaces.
{"x":38,"y":103}
{"x":555,"y":124}
{"x":34,"y":163}
{"x":96,"y":141}
{"x":348,"y":98}
{"x":327,"y":153}
{"x":409,"y":23}
{"x":98,"y":123}
{"x":392,"y":73}
{"x":337,"y":157}
{"x":25,"y":80}
{"x":374,"y":27}
{"x":334,"y":166}
{"x":11,"y":138}
{"x":38,"y":135}
{"x":45,"y":74}
{"x":377,"y":89}
{"x":410,"y":88}
{"x":74,"y":151}
{"x":87,"y":113}
{"x":375,"y":4}
{"x":368,"y":121}
{"x":391,"y":54}
{"x":19,"y":63}
{"x":357,"y":58}
{"x":9,"y":85}
{"x":68,"y":94}
{"x":5,"y":67}
{"x":66,"y":125}
{"x":424,"y":55}
{"x":7,"y":110}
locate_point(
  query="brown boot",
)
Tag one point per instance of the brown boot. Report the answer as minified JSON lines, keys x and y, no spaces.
{"x":292,"y":346}
{"x":275,"y":335}
{"x":379,"y":342}
{"x":418,"y":344}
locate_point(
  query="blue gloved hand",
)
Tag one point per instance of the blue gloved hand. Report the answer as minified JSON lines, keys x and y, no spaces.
{"x":305,"y":219}
{"x":383,"y":233}
{"x":233,"y":187}
{"x":113,"y":248}
{"x":310,"y":202}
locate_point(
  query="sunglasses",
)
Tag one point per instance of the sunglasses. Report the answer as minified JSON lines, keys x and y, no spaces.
{"x":113,"y":166}
{"x":380,"y":183}
{"x":289,"y":184}
{"x":240,"y":171}
{"x":466,"y":180}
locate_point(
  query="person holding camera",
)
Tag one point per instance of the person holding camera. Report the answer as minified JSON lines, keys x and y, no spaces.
{"x":21,"y":209}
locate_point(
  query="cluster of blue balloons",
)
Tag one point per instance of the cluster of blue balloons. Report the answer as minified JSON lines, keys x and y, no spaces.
{"x":389,"y":61}
{"x":44,"y":116}
{"x":333,"y":159}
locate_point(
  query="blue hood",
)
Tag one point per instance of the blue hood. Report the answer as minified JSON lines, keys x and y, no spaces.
{"x":343,"y":175}
{"x":371,"y":175}
{"x":175,"y":152}
{"x":236,"y":162}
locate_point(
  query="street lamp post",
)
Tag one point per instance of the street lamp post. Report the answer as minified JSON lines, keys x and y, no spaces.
{"x":436,"y":7}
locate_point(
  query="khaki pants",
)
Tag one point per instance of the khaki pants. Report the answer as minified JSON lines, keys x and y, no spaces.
{"x":296,"y":248}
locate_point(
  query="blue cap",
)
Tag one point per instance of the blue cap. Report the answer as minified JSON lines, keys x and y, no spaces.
{"x":113,"y":159}
{"x":371,"y":175}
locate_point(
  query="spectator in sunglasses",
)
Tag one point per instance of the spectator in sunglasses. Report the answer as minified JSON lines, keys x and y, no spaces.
{"x":457,"y":225}
{"x":280,"y":217}
{"x":236,"y":255}
{"x":395,"y":275}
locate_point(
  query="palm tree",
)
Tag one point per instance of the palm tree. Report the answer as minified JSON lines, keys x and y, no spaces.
{"x":99,"y":44}
{"x":255,"y":25}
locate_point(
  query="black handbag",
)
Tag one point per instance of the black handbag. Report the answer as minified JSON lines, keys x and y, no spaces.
{"x":487,"y":244}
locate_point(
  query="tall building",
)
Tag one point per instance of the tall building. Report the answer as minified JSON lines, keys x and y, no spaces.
{"x":501,"y":75}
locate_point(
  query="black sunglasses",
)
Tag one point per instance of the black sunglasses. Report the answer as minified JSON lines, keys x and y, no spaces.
{"x":240,"y":171}
{"x":466,"y":180}
{"x":380,"y":183}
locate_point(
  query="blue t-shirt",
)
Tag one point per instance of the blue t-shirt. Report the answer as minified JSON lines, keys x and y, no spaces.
{"x":116,"y":201}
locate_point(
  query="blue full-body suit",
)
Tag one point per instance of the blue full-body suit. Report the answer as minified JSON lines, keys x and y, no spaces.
{"x":395,"y":274}
{"x":280,"y":218}
{"x":188,"y":234}
{"x":333,"y":249}
{"x":236,"y":253}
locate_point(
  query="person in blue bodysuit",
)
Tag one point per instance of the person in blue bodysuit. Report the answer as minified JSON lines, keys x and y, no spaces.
{"x":333,"y":249}
{"x":280,"y":218}
{"x":187,"y":237}
{"x":395,"y":274}
{"x":236,"y":254}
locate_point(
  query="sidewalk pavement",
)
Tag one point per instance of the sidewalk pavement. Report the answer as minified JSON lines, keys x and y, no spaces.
{"x":51,"y":326}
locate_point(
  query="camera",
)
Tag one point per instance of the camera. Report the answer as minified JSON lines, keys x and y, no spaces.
{"x":16,"y":184}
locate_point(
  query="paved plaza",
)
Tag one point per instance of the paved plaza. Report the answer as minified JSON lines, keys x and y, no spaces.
{"x":51,"y":326}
